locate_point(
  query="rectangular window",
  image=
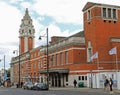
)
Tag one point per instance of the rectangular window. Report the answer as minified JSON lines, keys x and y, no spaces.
{"x":88,"y":15}
{"x":79,"y":78}
{"x":109,"y":13}
{"x":57,"y":61}
{"x":62,"y":58}
{"x":82,"y":77}
{"x":114,"y":14}
{"x":53,"y":60}
{"x":104,"y":13}
{"x":66,"y":56}
{"x":90,"y":54}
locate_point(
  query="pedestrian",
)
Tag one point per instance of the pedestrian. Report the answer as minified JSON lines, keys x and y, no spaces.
{"x":106,"y":84}
{"x":111,"y":84}
{"x":74,"y":82}
{"x":21,"y":84}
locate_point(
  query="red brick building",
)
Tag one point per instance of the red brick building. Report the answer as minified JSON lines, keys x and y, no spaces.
{"x":69,"y":58}
{"x":101,"y":28}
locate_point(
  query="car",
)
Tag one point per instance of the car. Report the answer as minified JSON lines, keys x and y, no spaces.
{"x":27,"y":85}
{"x":39,"y":86}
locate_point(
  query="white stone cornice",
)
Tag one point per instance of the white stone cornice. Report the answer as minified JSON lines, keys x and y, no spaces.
{"x":115,"y":40}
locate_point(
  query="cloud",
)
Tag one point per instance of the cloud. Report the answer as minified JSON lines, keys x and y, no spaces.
{"x":26,"y":4}
{"x":63,"y":11}
{"x":9,"y":22}
{"x":53,"y":30}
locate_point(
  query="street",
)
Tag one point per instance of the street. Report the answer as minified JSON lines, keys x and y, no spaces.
{"x":54,"y":91}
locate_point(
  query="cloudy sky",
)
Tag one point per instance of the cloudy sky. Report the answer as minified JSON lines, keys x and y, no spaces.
{"x":62,"y":17}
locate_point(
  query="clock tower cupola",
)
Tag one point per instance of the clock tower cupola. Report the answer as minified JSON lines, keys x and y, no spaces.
{"x":26,"y":33}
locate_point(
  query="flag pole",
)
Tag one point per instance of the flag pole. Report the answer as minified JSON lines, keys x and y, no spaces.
{"x":111,"y":52}
{"x":97,"y":69}
{"x":116,"y":61}
{"x":98,"y":64}
{"x":116,"y":67}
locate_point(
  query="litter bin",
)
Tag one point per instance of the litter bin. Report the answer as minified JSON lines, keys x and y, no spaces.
{"x":81,"y":84}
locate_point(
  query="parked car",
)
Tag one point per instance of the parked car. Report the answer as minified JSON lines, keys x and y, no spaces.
{"x":27,"y":85}
{"x":39,"y":86}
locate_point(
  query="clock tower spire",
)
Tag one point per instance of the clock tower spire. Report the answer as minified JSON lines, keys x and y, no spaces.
{"x":26,"y":33}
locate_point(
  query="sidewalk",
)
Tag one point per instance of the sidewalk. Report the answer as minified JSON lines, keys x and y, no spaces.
{"x":82,"y":88}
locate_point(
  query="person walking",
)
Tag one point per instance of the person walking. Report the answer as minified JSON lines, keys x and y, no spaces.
{"x":111,"y":84}
{"x":106,"y":84}
{"x":74,"y":82}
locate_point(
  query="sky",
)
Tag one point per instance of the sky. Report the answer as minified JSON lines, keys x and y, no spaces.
{"x":61,"y":17}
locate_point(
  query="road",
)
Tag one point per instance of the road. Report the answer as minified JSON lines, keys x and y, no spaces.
{"x":19,"y":91}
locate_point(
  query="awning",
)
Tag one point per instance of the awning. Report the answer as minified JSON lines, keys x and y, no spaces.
{"x":55,"y":70}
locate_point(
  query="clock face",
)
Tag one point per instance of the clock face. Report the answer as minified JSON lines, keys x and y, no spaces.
{"x":25,"y":22}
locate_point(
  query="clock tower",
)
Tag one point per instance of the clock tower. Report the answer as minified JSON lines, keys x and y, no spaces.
{"x":26,"y":33}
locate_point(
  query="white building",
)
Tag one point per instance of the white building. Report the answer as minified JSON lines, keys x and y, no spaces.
{"x":1,"y":75}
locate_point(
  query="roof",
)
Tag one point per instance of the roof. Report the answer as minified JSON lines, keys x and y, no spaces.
{"x":91,"y":4}
{"x":79,"y":34}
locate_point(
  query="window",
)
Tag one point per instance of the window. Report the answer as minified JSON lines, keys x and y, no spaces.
{"x":62,"y":58}
{"x":30,"y":31}
{"x":114,"y":14}
{"x":66,"y":56}
{"x":29,"y":22}
{"x":57,"y":61}
{"x":53,"y":60}
{"x":39,"y":64}
{"x":82,"y":77}
{"x":109,"y":13}
{"x":88,"y":15}
{"x":89,"y":53}
{"x":104,"y":12}
{"x":22,"y":31}
{"x":79,"y":78}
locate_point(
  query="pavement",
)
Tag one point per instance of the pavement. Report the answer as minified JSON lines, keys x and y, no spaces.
{"x":81,"y":88}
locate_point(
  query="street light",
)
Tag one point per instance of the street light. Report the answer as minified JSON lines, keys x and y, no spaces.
{"x":47,"y":73}
{"x":18,"y":65}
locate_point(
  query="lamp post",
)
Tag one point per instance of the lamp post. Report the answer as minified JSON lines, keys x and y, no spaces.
{"x":18,"y":65}
{"x":47,"y":67}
